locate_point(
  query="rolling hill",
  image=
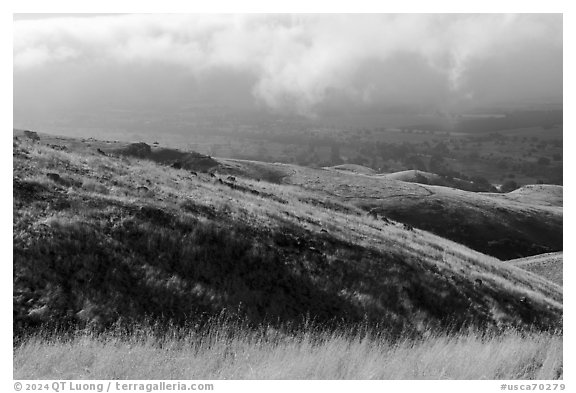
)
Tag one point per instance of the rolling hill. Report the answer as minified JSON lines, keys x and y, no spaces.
{"x":102,"y":239}
{"x":518,"y":224}
{"x":354,"y":168}
{"x":547,"y":265}
{"x":538,"y":194}
{"x":416,"y":176}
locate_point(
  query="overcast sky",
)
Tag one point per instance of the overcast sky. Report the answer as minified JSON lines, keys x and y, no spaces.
{"x":293,"y":64}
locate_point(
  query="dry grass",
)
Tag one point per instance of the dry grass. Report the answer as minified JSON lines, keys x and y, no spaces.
{"x":548,"y":265}
{"x":225,"y":353}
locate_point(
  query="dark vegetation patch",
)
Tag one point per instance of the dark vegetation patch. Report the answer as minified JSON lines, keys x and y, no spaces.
{"x":500,"y":233}
{"x":259,"y":171}
{"x":177,"y":159}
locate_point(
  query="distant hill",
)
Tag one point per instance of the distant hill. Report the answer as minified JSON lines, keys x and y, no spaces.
{"x":102,"y":239}
{"x":416,"y":176}
{"x":354,"y":168}
{"x":538,"y":194}
{"x":547,"y":265}
{"x":413,"y":176}
{"x":506,"y":226}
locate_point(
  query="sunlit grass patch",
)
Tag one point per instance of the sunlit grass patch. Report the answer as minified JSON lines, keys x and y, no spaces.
{"x":232,"y":352}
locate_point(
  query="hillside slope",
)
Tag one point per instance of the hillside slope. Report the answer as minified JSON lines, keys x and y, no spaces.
{"x":506,"y":226}
{"x":101,"y":239}
{"x":416,"y":176}
{"x":538,"y":194}
{"x":548,"y":265}
{"x":354,"y":168}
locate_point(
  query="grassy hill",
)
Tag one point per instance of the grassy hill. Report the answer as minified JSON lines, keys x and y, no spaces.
{"x":506,"y":226}
{"x":547,"y":265}
{"x":416,"y":176}
{"x":354,"y":168}
{"x":538,"y":194}
{"x":102,"y":239}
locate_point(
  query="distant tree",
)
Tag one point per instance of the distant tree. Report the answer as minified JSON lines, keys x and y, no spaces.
{"x":415,"y":162}
{"x":509,"y":185}
{"x":31,"y":135}
{"x":421,"y":179}
{"x":441,"y":149}
{"x":544,"y":161}
{"x":436,"y":163}
{"x":556,"y":143}
{"x":481,"y":183}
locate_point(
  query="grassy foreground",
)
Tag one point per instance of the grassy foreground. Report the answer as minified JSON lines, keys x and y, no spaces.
{"x":232,"y":353}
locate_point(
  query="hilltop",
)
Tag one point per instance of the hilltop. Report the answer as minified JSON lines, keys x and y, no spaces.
{"x":416,"y":176}
{"x":538,"y":194}
{"x":354,"y":168}
{"x":102,"y":238}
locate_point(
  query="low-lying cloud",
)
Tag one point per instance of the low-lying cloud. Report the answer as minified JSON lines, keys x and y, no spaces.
{"x":300,"y":63}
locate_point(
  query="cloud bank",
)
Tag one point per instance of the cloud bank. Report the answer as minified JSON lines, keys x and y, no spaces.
{"x":295,"y":63}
